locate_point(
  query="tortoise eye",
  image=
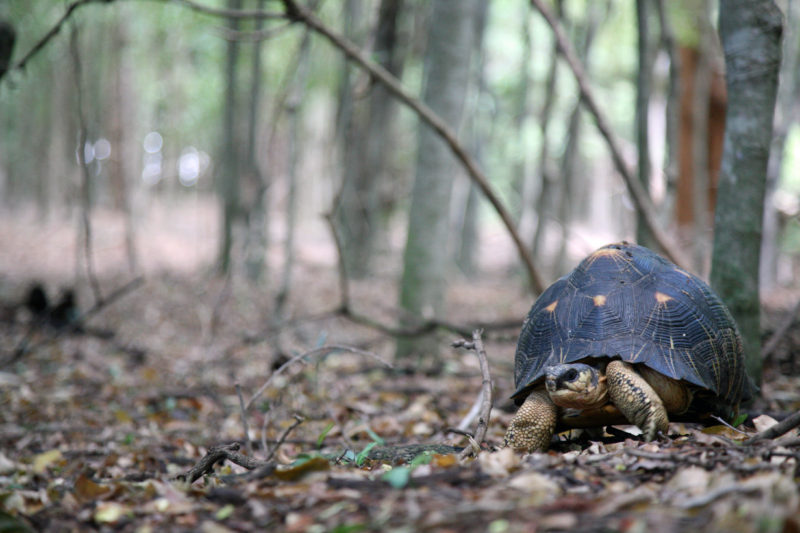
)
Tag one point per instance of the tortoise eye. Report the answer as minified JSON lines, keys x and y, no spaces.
{"x":571,"y":375}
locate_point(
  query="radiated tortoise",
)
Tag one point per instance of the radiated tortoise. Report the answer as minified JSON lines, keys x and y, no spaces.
{"x":627,"y":337}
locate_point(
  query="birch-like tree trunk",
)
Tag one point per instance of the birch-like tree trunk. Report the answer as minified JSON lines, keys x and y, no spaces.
{"x":427,"y":258}
{"x":750,"y":31}
{"x":229,"y":171}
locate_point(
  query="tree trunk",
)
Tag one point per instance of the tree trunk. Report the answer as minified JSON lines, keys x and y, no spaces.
{"x":121,"y":159}
{"x":643,"y":83}
{"x":229,"y":171}
{"x":788,"y":113}
{"x":427,"y":258}
{"x":751,"y":38}
{"x":256,"y":210}
{"x":467,"y":212}
{"x":544,"y":174}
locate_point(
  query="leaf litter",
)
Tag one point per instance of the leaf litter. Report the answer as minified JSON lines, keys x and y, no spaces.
{"x":94,"y":438}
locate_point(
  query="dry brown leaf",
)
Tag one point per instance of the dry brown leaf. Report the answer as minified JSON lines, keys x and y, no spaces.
{"x":499,"y":464}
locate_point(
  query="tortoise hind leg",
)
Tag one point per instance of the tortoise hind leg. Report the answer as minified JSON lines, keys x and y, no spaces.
{"x":534,"y":424}
{"x":636,"y":399}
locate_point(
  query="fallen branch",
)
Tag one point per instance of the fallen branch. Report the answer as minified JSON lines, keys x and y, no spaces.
{"x":216,"y":454}
{"x":486,"y":389}
{"x":782,"y":427}
{"x":297,"y":421}
{"x":637,"y":192}
{"x":243,"y":413}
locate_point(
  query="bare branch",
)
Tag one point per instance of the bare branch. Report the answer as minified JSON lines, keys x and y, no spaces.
{"x":243,"y":412}
{"x":393,"y":85}
{"x":486,"y":389}
{"x":639,"y":196}
{"x":297,"y":421}
{"x":782,"y":427}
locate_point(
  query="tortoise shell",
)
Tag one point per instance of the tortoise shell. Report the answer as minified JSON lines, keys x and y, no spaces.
{"x":627,"y":302}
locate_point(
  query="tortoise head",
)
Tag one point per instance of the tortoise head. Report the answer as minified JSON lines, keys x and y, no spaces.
{"x":576,"y":385}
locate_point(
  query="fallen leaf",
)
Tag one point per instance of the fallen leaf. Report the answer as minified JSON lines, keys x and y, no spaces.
{"x":763,"y":422}
{"x":44,"y":460}
{"x":295,"y":472}
{"x":110,"y":512}
{"x":88,"y":490}
{"x":499,"y":464}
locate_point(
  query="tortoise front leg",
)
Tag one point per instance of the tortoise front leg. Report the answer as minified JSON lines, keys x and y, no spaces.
{"x":636,"y":399}
{"x":534,"y":424}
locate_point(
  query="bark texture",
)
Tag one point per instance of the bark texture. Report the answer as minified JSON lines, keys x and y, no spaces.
{"x":427,"y":258}
{"x":750,"y":31}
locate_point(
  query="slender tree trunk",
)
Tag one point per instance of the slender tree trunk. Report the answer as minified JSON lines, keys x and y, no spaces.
{"x":295,"y":97}
{"x":544,"y":174}
{"x":788,"y":113}
{"x":673,"y":100}
{"x":643,"y":84}
{"x":467,"y":227}
{"x":121,"y":175}
{"x":229,"y":171}
{"x":751,"y":38}
{"x":257,"y":219}
{"x":427,"y":258}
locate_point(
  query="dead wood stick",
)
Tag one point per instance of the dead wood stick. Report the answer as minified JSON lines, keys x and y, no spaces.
{"x":782,"y":427}
{"x":780,"y":333}
{"x":486,"y":388}
{"x":297,"y":421}
{"x":318,"y":352}
{"x":243,"y":412}
{"x":297,"y":12}
{"x":216,"y":454}
{"x":639,"y":195}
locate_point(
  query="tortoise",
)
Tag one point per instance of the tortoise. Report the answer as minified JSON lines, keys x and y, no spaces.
{"x":625,"y":338}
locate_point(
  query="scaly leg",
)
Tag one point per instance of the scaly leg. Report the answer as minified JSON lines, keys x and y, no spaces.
{"x":532,"y":427}
{"x":636,"y":399}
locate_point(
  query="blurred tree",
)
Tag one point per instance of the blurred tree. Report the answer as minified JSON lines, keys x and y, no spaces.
{"x":367,"y":149}
{"x":7,"y":38}
{"x":466,"y":213}
{"x":751,"y":38}
{"x":701,"y":126}
{"x":255,"y":184}
{"x":786,"y":115}
{"x":644,"y":74}
{"x":120,"y":128}
{"x":428,"y":257}
{"x":229,"y":158}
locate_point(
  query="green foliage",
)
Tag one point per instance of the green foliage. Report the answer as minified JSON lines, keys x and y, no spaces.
{"x":324,"y":434}
{"x":399,"y":476}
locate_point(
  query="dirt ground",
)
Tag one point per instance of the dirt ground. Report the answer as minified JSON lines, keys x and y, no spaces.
{"x":97,"y":425}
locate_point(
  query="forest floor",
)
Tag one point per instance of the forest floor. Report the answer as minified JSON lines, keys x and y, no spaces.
{"x":99,"y":426}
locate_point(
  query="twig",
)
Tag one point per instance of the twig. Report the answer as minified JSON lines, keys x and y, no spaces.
{"x":86,"y":203}
{"x":486,"y":391}
{"x":243,"y":412}
{"x":297,"y":421}
{"x":782,"y":427}
{"x":325,"y":350}
{"x":36,"y":48}
{"x":220,"y":453}
{"x":344,"y":286}
{"x":639,"y":196}
{"x":392,"y":84}
{"x":727,"y":425}
{"x":780,"y":333}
